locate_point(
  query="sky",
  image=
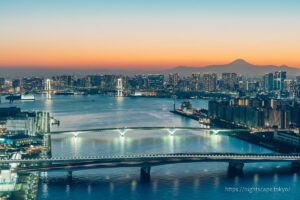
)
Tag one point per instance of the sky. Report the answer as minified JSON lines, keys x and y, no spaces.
{"x":147,"y":34}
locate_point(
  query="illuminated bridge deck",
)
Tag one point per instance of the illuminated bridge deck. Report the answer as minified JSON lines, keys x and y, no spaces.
{"x":145,"y":160}
{"x":170,"y":129}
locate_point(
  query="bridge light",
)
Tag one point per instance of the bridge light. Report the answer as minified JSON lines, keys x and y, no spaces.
{"x":214,"y":132}
{"x":171,"y":131}
{"x":122,"y":132}
{"x":75,"y":134}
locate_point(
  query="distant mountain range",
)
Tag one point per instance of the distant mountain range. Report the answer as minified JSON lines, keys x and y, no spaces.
{"x":238,"y":66}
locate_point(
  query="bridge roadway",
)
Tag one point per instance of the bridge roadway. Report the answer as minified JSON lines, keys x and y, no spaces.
{"x":146,"y":161}
{"x":123,"y":130}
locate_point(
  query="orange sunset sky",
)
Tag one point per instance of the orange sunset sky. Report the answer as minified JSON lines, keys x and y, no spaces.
{"x":152,"y":34}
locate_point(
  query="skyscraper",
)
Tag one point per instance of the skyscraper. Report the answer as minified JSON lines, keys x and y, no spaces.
{"x":230,"y":80}
{"x":279,"y":77}
{"x":195,"y":82}
{"x":298,"y":79}
{"x":173,"y":79}
{"x":155,"y":81}
{"x":210,"y":82}
{"x":268,"y":82}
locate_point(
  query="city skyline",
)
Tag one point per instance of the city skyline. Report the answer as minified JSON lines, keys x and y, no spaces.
{"x":147,"y":35}
{"x":149,"y":99}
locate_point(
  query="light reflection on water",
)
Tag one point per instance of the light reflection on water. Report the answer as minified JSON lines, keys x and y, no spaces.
{"x":191,"y":181}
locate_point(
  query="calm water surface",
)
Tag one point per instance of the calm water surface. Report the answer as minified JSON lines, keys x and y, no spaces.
{"x":180,"y":181}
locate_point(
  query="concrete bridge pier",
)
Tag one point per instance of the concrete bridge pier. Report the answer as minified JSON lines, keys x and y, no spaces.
{"x":235,"y":168}
{"x":295,"y":166}
{"x":145,"y":174}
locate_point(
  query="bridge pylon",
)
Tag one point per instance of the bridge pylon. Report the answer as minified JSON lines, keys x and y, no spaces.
{"x":295,"y":166}
{"x":120,"y":88}
{"x":145,"y":174}
{"x":235,"y":168}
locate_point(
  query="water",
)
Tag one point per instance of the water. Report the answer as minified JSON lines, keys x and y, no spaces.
{"x":179,"y":181}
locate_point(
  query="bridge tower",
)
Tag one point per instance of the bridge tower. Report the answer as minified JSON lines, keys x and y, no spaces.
{"x":47,"y":88}
{"x":119,"y":87}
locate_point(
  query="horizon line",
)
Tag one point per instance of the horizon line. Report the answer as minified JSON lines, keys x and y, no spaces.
{"x":133,"y":67}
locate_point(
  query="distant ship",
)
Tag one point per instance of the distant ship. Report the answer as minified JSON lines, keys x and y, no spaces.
{"x":13,"y":97}
{"x":64,"y":93}
{"x":25,"y":97}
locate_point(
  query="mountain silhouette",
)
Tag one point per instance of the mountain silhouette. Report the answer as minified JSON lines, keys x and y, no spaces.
{"x":238,"y":66}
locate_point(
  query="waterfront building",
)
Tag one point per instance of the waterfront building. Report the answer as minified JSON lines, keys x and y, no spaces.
{"x":287,"y":137}
{"x":21,"y":125}
{"x":108,"y":83}
{"x":254,"y":113}
{"x":32,"y":85}
{"x":63,"y":82}
{"x":277,"y":118}
{"x":8,"y":181}
{"x":155,"y":82}
{"x":19,"y":140}
{"x":16,"y":122}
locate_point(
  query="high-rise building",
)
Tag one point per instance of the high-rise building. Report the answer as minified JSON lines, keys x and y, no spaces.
{"x":279,"y":77}
{"x":67,"y":80}
{"x":2,"y":82}
{"x":252,"y":86}
{"x":155,"y":81}
{"x":210,"y":82}
{"x":230,"y":81}
{"x":173,"y":79}
{"x":268,"y":82}
{"x":95,"y":80}
{"x":290,"y":86}
{"x":195,"y":82}
{"x":298,"y":79}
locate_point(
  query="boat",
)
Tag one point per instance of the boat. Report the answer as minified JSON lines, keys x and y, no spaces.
{"x":65,"y":93}
{"x":27,"y":97}
{"x":13,"y":97}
